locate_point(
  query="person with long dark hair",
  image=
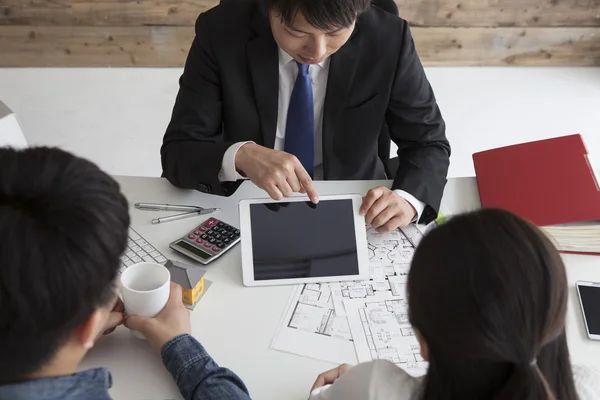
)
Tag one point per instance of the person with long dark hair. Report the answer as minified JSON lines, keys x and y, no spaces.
{"x":487,"y":296}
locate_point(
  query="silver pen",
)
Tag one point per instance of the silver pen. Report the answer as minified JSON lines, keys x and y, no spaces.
{"x":166,"y":207}
{"x":184,"y":215}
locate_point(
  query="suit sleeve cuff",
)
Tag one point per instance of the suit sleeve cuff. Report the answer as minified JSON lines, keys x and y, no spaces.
{"x":228,"y":173}
{"x":416,"y":203}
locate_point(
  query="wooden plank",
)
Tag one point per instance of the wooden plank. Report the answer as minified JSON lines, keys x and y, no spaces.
{"x":500,"y":13}
{"x":456,"y":13}
{"x":103,"y":12}
{"x":508,"y":46}
{"x":22,"y":46}
{"x":168,"y":46}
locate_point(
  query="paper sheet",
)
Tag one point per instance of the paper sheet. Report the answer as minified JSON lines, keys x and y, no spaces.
{"x":311,"y":328}
{"x":381,"y":331}
{"x":315,"y":324}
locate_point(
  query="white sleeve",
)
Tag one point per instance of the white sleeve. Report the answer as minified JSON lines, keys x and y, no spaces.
{"x":375,"y":380}
{"x":587,"y":382}
{"x":228,"y":173}
{"x":416,"y":203}
{"x":353,"y":384}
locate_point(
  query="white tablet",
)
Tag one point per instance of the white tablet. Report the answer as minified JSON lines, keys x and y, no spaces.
{"x":294,"y":241}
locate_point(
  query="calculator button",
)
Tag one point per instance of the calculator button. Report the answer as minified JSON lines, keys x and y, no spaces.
{"x":196,"y":232}
{"x":192,"y":237}
{"x":221,"y":245}
{"x":213,"y":241}
{"x":216,"y":249}
{"x":204,"y":236}
{"x":226,"y":241}
{"x":227,"y":228}
{"x":224,"y":232}
{"x":211,"y":222}
{"x":218,"y":236}
{"x":220,"y":224}
{"x":202,"y":228}
{"x":199,"y":241}
{"x":207,"y":244}
{"x":210,"y":232}
{"x":237,"y":232}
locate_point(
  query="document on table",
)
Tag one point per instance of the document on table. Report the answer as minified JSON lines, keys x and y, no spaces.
{"x":315,"y":323}
{"x":381,"y":331}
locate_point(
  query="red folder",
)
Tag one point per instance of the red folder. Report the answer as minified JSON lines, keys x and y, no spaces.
{"x":548,"y":181}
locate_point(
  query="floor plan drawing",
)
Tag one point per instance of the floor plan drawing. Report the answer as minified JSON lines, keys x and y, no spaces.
{"x":382,"y":331}
{"x":314,"y":312}
{"x":390,"y":255}
{"x":311,"y":328}
{"x":315,"y":322}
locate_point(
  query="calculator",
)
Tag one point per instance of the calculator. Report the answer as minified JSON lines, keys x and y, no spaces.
{"x":207,"y":241}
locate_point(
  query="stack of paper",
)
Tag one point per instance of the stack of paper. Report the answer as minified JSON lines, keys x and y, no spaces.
{"x":583,"y":237}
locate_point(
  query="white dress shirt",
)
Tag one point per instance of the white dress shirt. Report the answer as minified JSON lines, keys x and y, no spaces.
{"x":288,"y":70}
{"x":382,"y":380}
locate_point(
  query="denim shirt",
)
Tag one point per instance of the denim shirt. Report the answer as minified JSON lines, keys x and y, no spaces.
{"x":197,"y":375}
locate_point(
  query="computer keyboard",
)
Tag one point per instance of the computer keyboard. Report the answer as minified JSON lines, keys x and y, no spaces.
{"x":138,"y":250}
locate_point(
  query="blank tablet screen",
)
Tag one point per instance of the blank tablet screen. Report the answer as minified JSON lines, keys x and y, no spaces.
{"x":303,"y":240}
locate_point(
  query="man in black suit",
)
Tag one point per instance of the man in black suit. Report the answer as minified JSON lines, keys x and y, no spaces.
{"x":282,"y":92}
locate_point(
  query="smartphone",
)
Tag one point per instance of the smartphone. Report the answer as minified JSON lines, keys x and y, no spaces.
{"x":589,"y":298}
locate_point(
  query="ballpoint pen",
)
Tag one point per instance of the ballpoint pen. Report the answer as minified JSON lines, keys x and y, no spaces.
{"x":184,"y":215}
{"x":166,"y":207}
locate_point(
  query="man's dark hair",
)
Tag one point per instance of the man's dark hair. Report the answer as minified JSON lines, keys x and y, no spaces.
{"x":325,"y":15}
{"x":63,"y":228}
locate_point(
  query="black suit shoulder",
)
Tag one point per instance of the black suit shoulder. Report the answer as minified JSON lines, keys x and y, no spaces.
{"x":384,"y":31}
{"x":230,"y":18}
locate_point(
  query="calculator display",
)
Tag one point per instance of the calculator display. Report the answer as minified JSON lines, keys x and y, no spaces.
{"x":193,"y":250}
{"x":302,"y":240}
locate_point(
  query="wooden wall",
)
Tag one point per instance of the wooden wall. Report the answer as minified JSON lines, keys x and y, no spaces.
{"x":101,"y":33}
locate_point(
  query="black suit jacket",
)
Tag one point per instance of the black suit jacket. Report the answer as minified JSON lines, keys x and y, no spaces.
{"x":228,"y":93}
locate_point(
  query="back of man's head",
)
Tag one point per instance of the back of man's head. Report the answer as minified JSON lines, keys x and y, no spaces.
{"x":325,"y":15}
{"x":63,"y":227}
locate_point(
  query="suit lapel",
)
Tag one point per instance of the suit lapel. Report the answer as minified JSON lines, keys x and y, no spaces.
{"x":264,"y":67}
{"x":341,"y":75}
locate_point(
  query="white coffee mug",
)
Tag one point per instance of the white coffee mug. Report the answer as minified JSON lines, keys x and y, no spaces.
{"x":145,"y":288}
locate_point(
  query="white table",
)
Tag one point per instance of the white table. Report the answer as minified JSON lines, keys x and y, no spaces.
{"x":236,"y":323}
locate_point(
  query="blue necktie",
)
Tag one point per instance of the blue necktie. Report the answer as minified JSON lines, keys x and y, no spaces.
{"x":300,"y":125}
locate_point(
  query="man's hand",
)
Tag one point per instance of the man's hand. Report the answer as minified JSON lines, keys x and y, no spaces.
{"x":385,"y":210}
{"x":328,"y":377}
{"x":278,"y":173}
{"x":173,"y":320}
{"x":115,"y":318}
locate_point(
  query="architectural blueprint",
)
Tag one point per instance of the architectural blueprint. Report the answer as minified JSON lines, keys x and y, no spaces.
{"x":381,"y":330}
{"x":311,"y":328}
{"x":315,"y":323}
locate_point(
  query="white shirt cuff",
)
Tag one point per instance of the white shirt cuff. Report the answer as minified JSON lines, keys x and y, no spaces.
{"x":228,"y":173}
{"x":416,"y":203}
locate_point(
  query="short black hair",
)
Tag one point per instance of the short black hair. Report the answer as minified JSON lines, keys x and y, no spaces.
{"x":63,"y":228}
{"x":325,"y":15}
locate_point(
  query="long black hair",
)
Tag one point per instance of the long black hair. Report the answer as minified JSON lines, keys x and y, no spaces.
{"x":488,"y":294}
